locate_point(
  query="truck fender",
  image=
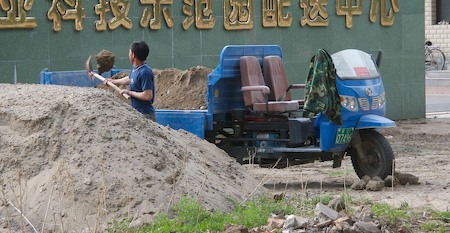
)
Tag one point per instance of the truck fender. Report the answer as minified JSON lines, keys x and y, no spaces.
{"x":374,"y":121}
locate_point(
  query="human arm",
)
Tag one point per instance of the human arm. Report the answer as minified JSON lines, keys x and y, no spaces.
{"x":146,"y":95}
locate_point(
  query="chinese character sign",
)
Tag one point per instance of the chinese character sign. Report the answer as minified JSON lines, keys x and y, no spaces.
{"x":386,"y":19}
{"x":348,"y":10}
{"x":315,"y":13}
{"x":200,"y":11}
{"x":71,"y":10}
{"x":272,"y":13}
{"x":196,"y":14}
{"x":151,"y":17}
{"x":119,"y":10}
{"x":238,"y":14}
{"x":16,"y":14}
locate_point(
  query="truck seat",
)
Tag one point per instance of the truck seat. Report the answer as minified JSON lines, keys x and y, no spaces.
{"x":276,"y":78}
{"x":255,"y":91}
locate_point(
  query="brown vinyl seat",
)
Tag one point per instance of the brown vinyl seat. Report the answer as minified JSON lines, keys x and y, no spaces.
{"x":276,"y":79}
{"x":255,"y":91}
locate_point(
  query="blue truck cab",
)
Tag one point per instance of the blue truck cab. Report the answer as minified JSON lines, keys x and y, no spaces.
{"x":287,"y":138}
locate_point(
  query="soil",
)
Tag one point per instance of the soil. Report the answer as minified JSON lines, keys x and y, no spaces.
{"x":73,"y":159}
{"x":181,"y":89}
{"x":105,"y":61}
{"x":421,"y":148}
{"x":174,"y":88}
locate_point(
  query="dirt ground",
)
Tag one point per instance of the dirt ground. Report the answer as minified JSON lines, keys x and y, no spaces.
{"x":421,"y":148}
{"x":72,"y":159}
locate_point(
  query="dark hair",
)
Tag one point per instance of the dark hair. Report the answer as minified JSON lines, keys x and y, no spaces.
{"x":140,"y":49}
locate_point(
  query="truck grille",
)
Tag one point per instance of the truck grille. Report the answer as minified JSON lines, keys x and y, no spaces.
{"x":375,"y":101}
{"x":364,"y":103}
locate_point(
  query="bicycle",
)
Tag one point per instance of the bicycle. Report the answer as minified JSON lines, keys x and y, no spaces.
{"x":434,"y":57}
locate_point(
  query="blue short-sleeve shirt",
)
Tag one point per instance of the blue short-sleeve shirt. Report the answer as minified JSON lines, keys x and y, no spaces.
{"x":141,"y":78}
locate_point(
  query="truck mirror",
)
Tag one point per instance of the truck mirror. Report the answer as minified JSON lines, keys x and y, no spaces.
{"x":378,"y":61}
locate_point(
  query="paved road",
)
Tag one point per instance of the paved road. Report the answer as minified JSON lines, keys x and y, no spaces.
{"x":438,"y":99}
{"x":438,"y":92}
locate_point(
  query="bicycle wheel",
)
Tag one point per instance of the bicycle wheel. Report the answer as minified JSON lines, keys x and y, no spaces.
{"x":434,"y":60}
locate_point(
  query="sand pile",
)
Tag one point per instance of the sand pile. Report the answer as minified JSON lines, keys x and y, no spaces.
{"x":72,"y":159}
{"x":181,"y":89}
{"x":174,"y":88}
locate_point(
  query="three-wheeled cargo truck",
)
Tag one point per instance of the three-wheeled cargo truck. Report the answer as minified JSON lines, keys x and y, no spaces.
{"x":252,"y":116}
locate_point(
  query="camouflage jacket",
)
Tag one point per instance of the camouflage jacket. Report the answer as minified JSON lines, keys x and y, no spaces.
{"x":321,"y":94}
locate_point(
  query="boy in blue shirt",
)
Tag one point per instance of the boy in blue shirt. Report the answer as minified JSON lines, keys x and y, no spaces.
{"x":141,"y":81}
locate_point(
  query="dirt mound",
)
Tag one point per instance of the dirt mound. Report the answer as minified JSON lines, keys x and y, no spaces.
{"x":181,"y":89}
{"x":174,"y":88}
{"x":72,"y":159}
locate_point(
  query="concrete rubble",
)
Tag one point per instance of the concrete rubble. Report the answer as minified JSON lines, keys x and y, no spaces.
{"x":326,"y":219}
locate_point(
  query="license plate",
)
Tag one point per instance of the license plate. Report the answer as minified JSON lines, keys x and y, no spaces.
{"x":344,"y":135}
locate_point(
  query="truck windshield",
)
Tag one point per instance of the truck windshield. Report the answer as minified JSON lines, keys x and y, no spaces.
{"x":354,"y":64}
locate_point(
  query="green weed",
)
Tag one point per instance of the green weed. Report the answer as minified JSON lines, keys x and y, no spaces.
{"x":390,"y":214}
{"x":189,"y":216}
{"x":435,"y":227}
{"x":256,"y":212}
{"x":439,"y":222}
{"x":443,"y":216}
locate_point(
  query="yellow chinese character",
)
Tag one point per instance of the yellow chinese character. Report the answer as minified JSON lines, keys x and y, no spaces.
{"x":56,"y":13}
{"x":101,"y":9}
{"x":16,"y":14}
{"x":272,"y":13}
{"x":204,"y":19}
{"x":151,"y":18}
{"x":386,"y":19}
{"x":348,"y":10}
{"x":238,"y":14}
{"x":120,"y":9}
{"x":314,"y":13}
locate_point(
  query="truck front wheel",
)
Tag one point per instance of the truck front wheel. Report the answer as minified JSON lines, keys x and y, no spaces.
{"x":377,"y":157}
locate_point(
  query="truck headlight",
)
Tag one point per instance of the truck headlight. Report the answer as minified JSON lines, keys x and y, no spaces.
{"x":381,"y":100}
{"x":349,"y":102}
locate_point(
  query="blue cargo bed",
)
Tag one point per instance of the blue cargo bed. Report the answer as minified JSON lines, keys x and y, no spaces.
{"x":193,"y":121}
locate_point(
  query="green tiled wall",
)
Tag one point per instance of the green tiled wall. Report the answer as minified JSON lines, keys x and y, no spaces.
{"x":28,"y":51}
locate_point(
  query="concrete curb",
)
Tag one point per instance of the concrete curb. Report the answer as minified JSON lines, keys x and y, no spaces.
{"x":437,"y":78}
{"x":437,"y":115}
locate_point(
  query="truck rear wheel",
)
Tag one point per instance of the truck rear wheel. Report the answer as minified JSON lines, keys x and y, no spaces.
{"x":378,"y":157}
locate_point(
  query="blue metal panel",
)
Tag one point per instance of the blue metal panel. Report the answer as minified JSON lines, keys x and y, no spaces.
{"x":374,"y":121}
{"x":193,"y":121}
{"x":78,"y":78}
{"x":328,"y":133}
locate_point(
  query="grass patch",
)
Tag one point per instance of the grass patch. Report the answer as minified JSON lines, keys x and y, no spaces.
{"x":256,"y":212}
{"x":435,"y":227}
{"x":189,"y":216}
{"x":389,"y":214}
{"x":439,"y":222}
{"x":443,"y":216}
